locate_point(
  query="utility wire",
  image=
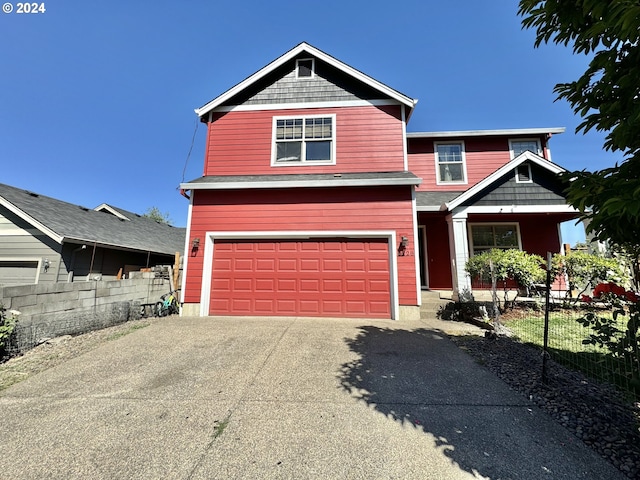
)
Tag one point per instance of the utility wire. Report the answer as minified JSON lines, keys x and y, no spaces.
{"x":195,"y":130}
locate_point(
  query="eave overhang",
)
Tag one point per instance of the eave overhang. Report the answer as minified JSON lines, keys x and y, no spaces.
{"x":303,"y":181}
{"x":488,"y":133}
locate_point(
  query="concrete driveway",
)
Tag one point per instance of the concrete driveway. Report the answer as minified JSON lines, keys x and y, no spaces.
{"x":193,"y":398}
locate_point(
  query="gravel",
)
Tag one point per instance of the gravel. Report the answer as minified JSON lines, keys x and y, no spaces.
{"x":60,"y":349}
{"x":593,"y":412}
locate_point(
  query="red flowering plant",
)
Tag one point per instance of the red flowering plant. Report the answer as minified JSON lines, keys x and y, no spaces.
{"x":622,"y":344}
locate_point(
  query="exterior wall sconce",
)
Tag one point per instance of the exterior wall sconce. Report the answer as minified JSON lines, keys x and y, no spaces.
{"x":404,"y":241}
{"x":46,"y":264}
{"x":195,"y":245}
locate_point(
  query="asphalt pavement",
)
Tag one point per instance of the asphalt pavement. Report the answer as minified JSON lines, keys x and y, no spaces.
{"x":281,"y":398}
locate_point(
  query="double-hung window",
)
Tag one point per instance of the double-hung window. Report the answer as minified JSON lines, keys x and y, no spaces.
{"x":520,"y":146}
{"x":309,"y":140}
{"x":450,"y":162}
{"x":486,"y":236}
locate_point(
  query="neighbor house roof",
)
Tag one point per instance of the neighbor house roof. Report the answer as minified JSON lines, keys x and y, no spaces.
{"x":105,"y":225}
{"x":303,"y":47}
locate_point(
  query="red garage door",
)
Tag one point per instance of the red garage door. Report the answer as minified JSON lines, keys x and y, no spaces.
{"x":332,"y":278}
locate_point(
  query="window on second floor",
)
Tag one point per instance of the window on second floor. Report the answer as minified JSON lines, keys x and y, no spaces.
{"x":309,"y":140}
{"x":450,"y":163}
{"x":518,"y":147}
{"x":485,"y":236}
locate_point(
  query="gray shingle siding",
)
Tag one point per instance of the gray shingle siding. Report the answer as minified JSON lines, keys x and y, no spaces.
{"x":281,"y":86}
{"x":546,"y":189}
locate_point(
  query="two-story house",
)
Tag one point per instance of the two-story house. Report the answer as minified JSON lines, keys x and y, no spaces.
{"x":315,"y":201}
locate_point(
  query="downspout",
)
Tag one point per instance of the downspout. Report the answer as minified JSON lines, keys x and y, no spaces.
{"x":73,"y":262}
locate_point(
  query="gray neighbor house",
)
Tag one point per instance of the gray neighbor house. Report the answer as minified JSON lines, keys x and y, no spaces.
{"x":45,"y":240}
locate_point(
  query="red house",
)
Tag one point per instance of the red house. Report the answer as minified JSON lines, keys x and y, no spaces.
{"x":315,"y":201}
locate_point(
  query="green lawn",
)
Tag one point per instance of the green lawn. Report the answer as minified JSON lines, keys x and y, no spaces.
{"x":566,"y":347}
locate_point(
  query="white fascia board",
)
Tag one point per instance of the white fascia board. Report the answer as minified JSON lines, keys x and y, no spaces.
{"x":429,"y":208}
{"x":31,"y":221}
{"x":115,"y":246}
{"x":515,"y":209}
{"x":111,"y":210}
{"x":486,"y":133}
{"x":304,"y":47}
{"x":504,"y":170}
{"x":301,"y":184}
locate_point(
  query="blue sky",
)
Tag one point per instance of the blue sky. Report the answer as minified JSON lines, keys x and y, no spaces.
{"x":97,"y":97}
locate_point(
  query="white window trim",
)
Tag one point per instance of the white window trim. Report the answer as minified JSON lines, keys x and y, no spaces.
{"x":464,"y":163}
{"x":305,"y":163}
{"x":490,"y":224}
{"x":313,"y":68}
{"x":512,"y":140}
{"x":518,"y":180}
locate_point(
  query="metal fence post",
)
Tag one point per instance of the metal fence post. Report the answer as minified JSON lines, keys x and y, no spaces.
{"x":545,"y":353}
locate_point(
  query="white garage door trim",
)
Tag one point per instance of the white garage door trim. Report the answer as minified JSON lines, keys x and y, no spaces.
{"x":211,"y":237}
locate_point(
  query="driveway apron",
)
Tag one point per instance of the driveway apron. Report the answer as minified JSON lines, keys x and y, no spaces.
{"x":281,"y":398}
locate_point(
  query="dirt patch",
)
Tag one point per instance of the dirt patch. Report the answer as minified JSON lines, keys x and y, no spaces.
{"x":59,"y":350}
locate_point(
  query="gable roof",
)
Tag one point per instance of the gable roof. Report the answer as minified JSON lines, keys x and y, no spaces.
{"x":314,"y":52}
{"x":105,"y":226}
{"x":501,"y":172}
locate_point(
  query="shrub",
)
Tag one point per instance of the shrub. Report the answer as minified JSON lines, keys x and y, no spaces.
{"x":7,"y":325}
{"x":522,"y":267}
{"x":584,"y":270}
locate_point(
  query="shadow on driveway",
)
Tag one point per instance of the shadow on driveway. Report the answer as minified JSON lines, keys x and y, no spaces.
{"x":417,"y":379}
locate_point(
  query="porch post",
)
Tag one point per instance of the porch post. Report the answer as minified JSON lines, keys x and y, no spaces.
{"x":459,"y":252}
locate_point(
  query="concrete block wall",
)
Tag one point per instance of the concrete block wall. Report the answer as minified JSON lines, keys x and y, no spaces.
{"x":54,"y":309}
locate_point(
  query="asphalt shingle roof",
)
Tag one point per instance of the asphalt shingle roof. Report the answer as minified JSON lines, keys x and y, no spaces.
{"x":80,"y":224}
{"x":435,"y":199}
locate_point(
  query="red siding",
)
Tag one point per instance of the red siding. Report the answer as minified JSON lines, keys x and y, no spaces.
{"x":368,"y":139}
{"x":305,"y":210}
{"x":483,"y":157}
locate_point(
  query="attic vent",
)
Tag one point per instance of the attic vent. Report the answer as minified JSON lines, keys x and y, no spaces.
{"x":523,"y":173}
{"x":32,"y":194}
{"x":305,"y":68}
{"x":83,"y":208}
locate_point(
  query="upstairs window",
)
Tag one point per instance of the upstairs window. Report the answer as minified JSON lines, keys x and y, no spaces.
{"x":450,"y":163}
{"x":304,"y":140}
{"x":518,"y":147}
{"x":487,"y":236}
{"x":305,"y":68}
